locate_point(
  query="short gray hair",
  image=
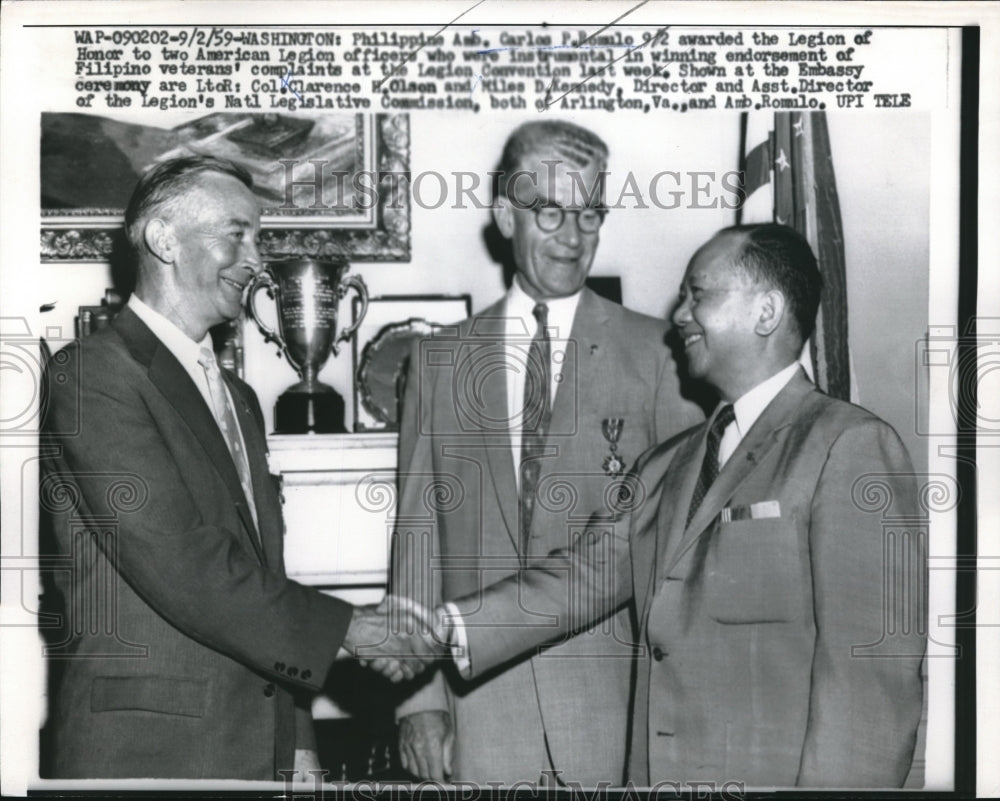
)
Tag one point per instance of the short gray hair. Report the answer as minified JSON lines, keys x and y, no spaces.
{"x":578,"y":146}
{"x":166,"y":183}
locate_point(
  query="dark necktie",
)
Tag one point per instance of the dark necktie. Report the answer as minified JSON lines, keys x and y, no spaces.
{"x":537,"y":411}
{"x":710,"y":466}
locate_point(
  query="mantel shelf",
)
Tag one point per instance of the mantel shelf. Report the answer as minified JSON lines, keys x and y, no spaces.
{"x":340,"y":494}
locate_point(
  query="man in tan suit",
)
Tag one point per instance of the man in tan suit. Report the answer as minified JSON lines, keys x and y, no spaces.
{"x":783,"y":627}
{"x":515,"y":427}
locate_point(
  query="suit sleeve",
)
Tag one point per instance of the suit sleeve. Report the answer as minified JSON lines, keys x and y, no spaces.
{"x":571,"y":588}
{"x":192,"y":572}
{"x":561,"y":593}
{"x":415,"y":535}
{"x":866,"y":690}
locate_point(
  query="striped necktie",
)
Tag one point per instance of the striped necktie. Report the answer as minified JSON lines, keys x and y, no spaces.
{"x":537,"y":411}
{"x":710,"y":465}
{"x":225,"y":417}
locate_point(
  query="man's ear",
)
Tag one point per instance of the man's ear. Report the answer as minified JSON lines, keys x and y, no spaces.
{"x":771,"y":311}
{"x":503,"y":216}
{"x":160,"y":240}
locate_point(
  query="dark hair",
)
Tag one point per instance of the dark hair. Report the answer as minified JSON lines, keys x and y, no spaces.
{"x":168,"y":181}
{"x":572,"y":142}
{"x":779,"y":257}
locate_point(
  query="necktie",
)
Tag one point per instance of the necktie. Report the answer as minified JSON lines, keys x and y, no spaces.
{"x":710,"y":466}
{"x":225,"y":416}
{"x":537,"y":411}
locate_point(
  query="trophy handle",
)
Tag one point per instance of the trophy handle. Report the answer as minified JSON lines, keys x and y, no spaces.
{"x":357,"y":282}
{"x":264,"y":280}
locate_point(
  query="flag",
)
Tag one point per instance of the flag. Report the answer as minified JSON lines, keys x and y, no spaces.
{"x":789,"y":179}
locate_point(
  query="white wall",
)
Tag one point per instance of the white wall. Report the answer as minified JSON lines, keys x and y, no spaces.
{"x":883,"y":178}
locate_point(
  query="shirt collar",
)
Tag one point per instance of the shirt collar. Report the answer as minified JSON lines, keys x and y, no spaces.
{"x":561,"y":310}
{"x":749,"y":406}
{"x":183,"y":348}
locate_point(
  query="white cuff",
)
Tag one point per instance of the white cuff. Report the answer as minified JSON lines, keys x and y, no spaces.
{"x":458,"y":642}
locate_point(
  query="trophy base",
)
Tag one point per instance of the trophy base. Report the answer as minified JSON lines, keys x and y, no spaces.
{"x":309,"y":412}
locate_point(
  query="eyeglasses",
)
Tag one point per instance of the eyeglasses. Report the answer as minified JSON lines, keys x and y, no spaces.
{"x":551,"y":218}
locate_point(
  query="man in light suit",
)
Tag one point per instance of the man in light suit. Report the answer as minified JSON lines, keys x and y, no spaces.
{"x":783,"y":626}
{"x":185,"y":651}
{"x":515,"y":426}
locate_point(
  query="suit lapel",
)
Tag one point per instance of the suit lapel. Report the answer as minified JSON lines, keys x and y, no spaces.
{"x":751,"y":452}
{"x":490,"y":326}
{"x":582,"y":366}
{"x":648,"y":537}
{"x":677,"y":492}
{"x":259,"y":475}
{"x":173,"y":381}
{"x":581,"y":370}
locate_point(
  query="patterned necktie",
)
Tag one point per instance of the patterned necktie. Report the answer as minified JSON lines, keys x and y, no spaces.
{"x":537,"y":411}
{"x":225,"y":416}
{"x":710,"y":466}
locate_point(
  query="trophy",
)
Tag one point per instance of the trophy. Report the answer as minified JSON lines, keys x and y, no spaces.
{"x":307,"y":293}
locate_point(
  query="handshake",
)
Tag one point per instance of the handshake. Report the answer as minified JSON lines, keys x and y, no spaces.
{"x":398,"y":638}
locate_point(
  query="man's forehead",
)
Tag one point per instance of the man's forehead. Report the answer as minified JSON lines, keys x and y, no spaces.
{"x":545,"y":158}
{"x":554,"y":176}
{"x":716,"y":258}
{"x":224,"y":194}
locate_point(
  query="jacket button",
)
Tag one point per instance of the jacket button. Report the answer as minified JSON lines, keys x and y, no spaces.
{"x":268,"y":690}
{"x":306,"y":674}
{"x":293,"y":672}
{"x":658,"y":654}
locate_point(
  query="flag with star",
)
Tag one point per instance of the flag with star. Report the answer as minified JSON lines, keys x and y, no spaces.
{"x":789,"y":179}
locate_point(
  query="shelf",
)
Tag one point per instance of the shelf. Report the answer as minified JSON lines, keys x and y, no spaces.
{"x":340,"y":506}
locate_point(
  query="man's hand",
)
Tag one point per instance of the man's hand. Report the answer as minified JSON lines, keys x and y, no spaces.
{"x":397,"y":638}
{"x":426,"y":741}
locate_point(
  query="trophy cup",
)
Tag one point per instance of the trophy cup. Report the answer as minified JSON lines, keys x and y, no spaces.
{"x":307,"y":293}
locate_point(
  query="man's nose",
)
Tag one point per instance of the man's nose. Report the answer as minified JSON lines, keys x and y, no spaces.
{"x":682,"y":313}
{"x":253,"y":260}
{"x":569,"y":231}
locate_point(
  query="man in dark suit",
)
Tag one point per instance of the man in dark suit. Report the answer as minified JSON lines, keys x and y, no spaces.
{"x":783,"y":624}
{"x":186,"y":650}
{"x":515,"y":426}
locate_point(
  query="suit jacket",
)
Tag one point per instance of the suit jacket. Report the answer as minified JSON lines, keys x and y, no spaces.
{"x":457,"y":531}
{"x":784,"y":627}
{"x":184,"y":642}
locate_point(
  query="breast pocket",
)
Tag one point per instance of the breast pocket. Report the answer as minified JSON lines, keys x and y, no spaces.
{"x":753,"y":572}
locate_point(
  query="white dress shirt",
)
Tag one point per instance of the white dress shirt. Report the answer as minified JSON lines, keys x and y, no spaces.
{"x":519,"y":329}
{"x":186,"y":351}
{"x":749,"y":406}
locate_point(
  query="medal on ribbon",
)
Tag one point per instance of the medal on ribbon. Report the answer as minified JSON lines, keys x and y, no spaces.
{"x":613,"y":463}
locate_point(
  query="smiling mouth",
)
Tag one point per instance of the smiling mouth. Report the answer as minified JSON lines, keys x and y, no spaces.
{"x":239,"y":287}
{"x":690,"y":339}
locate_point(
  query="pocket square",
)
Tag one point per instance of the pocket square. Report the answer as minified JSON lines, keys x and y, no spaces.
{"x":755,"y":511}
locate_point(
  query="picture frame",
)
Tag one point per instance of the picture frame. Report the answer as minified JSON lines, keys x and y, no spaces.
{"x":330,"y":185}
{"x":381,"y":345}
